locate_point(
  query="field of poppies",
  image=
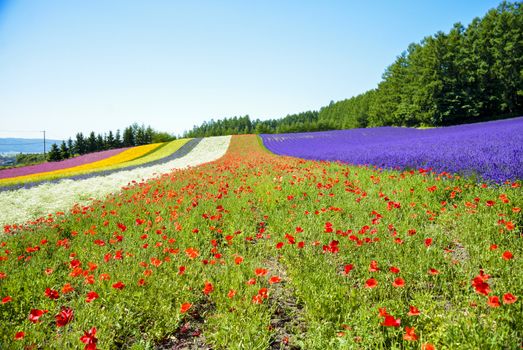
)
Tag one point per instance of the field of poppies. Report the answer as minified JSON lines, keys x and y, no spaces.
{"x":251,"y":250}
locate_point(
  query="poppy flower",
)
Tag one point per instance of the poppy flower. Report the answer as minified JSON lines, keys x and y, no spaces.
{"x":410,"y":334}
{"x":6,"y":299}
{"x":141,"y":282}
{"x":67,"y":288}
{"x":507,"y":255}
{"x":91,"y":296}
{"x":274,"y":279}
{"x":238,"y":260}
{"x":398,"y":282}
{"x":394,"y":269}
{"x":390,"y":321}
{"x":119,"y":285}
{"x":427,"y":346}
{"x":493,"y":301}
{"x":260,"y":272}
{"x":371,"y":283}
{"x":433,"y":271}
{"x":208,"y":288}
{"x":64,"y":317}
{"x":251,"y":282}
{"x":493,"y":247}
{"x":35,"y":315}
{"x":347,"y":268}
{"x":192,"y":253}
{"x":428,"y":242}
{"x":413,"y":311}
{"x":373,"y":266}
{"x":509,"y":298}
{"x":185,"y":307}
{"x":231,"y":294}
{"x":181,"y":270}
{"x":257,"y":299}
{"x":383,"y":311}
{"x":19,"y":335}
{"x":89,"y":339}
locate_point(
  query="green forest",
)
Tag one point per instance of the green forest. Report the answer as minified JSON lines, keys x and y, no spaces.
{"x":465,"y":75}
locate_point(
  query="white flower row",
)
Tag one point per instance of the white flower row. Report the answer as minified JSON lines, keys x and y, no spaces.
{"x":22,"y":205}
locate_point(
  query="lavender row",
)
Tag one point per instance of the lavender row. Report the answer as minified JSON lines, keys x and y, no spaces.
{"x":64,"y":164}
{"x":182,"y":151}
{"x":491,"y":150}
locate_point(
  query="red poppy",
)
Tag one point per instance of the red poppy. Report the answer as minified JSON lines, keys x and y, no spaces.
{"x":509,"y":298}
{"x":231,"y":294}
{"x":410,"y":334}
{"x":507,"y":255}
{"x":35,"y":315}
{"x":192,"y":253}
{"x":64,"y":317}
{"x":398,"y":282}
{"x":67,"y":288}
{"x":19,"y":335}
{"x":279,"y":245}
{"x":181,"y":270}
{"x":433,"y":271}
{"x":428,"y":242}
{"x":89,"y":339}
{"x":257,"y":299}
{"x":413,"y":311}
{"x":119,"y":285}
{"x":348,"y":268}
{"x":91,"y":296}
{"x":274,"y":279}
{"x":260,"y":272}
{"x":141,"y":282}
{"x":238,"y":260}
{"x":208,"y":288}
{"x":394,"y":269}
{"x":373,"y":266}
{"x":427,"y":346}
{"x":251,"y":281}
{"x":383,"y":311}
{"x":493,"y":301}
{"x":185,"y":307}
{"x":493,"y":246}
{"x":6,"y":299}
{"x":371,"y":283}
{"x":390,"y":321}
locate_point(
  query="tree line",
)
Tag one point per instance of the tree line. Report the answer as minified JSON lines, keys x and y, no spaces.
{"x":133,"y":135}
{"x":469,"y":74}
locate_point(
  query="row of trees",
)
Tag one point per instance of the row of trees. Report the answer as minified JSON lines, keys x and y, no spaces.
{"x":133,"y":135}
{"x":306,"y":121}
{"x":466,"y":75}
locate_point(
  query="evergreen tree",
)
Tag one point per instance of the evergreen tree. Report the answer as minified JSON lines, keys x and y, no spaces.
{"x":54,"y":153}
{"x":91,"y":143}
{"x":64,"y":151}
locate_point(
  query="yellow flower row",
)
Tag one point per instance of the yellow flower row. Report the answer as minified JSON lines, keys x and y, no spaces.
{"x":159,"y":153}
{"x":119,"y":159}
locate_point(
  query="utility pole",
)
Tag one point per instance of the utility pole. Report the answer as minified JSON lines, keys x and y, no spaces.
{"x":44,"y":143}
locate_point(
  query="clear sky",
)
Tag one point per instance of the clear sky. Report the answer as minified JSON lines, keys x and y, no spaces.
{"x":69,"y":66}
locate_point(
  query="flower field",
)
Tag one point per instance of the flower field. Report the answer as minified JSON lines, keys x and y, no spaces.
{"x":492,"y":151}
{"x":21,"y":205}
{"x":116,"y":160}
{"x":250,"y":250}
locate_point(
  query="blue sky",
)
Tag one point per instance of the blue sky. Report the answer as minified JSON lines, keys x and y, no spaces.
{"x":69,"y":66}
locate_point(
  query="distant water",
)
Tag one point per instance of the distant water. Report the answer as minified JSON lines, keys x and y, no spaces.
{"x":17,"y":145}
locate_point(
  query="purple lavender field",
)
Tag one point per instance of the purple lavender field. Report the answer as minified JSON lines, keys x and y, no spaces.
{"x":490,"y":150}
{"x":68,"y":163}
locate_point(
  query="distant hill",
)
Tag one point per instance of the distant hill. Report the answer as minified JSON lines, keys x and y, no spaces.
{"x":16,"y":145}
